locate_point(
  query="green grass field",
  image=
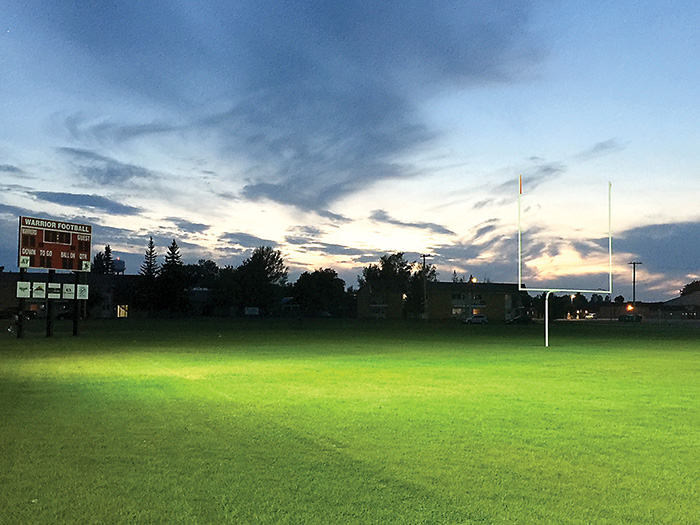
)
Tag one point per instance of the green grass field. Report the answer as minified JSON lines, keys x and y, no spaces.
{"x":350,"y":422}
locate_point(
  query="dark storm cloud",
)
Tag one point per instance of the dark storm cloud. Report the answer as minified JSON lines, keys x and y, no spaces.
{"x":322,"y":96}
{"x":300,"y":235}
{"x":334,"y":217}
{"x":187,"y":226}
{"x":246,"y":240}
{"x":93,"y":202}
{"x":384,"y":217}
{"x":104,"y":170}
{"x":668,"y":247}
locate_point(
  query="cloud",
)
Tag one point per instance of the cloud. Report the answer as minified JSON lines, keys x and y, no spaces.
{"x":330,"y":99}
{"x":92,"y":202}
{"x":7,"y":209}
{"x":302,"y":235}
{"x":187,"y":226}
{"x":85,"y":129}
{"x":319,"y":99}
{"x":246,"y":240}
{"x":599,"y":149}
{"x":7,"y":168}
{"x":667,"y":245}
{"x":334,"y":217}
{"x":383,"y":216}
{"x":104,"y":170}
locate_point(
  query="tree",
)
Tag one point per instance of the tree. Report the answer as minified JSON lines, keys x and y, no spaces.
{"x":203,"y":274}
{"x":320,"y":291}
{"x":172,"y":281}
{"x":108,"y":261}
{"x":690,"y":288}
{"x":417,"y":283}
{"x":259,"y":281}
{"x":173,"y":259}
{"x":149,"y":268}
{"x":98,"y":263}
{"x":392,"y":273}
{"x":146,"y":293}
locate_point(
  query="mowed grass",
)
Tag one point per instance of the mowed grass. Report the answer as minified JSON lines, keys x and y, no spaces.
{"x":350,"y":422}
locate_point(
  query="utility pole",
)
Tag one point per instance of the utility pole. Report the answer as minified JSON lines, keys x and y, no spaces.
{"x":425,"y":286}
{"x":634,"y":283}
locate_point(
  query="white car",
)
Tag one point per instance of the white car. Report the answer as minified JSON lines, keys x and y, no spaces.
{"x":476,"y":319}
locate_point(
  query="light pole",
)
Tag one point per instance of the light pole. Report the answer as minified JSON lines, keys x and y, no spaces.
{"x":425,"y":286}
{"x":634,"y":283}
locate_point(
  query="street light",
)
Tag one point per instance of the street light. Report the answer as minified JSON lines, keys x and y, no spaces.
{"x":634,"y":282}
{"x":425,"y":286}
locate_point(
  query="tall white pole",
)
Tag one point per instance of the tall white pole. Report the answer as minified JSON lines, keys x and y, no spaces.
{"x":546,"y":319}
{"x":520,"y":239}
{"x":610,"y":260}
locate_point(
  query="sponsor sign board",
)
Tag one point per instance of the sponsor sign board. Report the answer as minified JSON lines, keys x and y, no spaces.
{"x":82,"y":292}
{"x":68,"y":291}
{"x":54,"y":245}
{"x":39,"y":290}
{"x":24,"y":290}
{"x":53,"y":290}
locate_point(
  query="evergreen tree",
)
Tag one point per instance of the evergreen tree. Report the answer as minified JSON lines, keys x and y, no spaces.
{"x":173,"y":259}
{"x":108,"y":261}
{"x":146,"y":293}
{"x":172,"y":281}
{"x":149,"y":268}
{"x":98,"y":263}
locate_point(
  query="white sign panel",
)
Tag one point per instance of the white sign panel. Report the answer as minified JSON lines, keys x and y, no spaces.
{"x":39,"y":290}
{"x":82,"y":292}
{"x":54,"y":290}
{"x":68,"y":291}
{"x":24,"y":290}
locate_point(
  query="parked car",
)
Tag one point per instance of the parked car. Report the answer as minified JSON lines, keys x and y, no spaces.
{"x":630,"y":318}
{"x":476,"y":319}
{"x":521,"y":319}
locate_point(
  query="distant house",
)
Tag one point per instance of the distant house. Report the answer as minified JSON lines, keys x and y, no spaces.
{"x":380,"y":302}
{"x":445,"y":300}
{"x":683,"y":307}
{"x":450,"y":300}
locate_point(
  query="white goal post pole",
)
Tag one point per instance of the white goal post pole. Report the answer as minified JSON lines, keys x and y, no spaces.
{"x":549,"y":291}
{"x":520,"y":238}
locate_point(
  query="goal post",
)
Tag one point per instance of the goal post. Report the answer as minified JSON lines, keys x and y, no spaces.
{"x":549,"y":291}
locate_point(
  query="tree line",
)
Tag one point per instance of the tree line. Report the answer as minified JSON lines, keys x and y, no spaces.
{"x":261,"y":282}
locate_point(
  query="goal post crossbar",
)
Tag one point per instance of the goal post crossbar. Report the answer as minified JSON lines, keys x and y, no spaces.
{"x":549,"y":291}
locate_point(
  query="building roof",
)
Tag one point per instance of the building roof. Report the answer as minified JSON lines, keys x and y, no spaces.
{"x":469,"y":287}
{"x":692,"y":299}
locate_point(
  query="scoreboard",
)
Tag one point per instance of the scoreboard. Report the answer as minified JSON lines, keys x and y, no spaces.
{"x":54,"y":245}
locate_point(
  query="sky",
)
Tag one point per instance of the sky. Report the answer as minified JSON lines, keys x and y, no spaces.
{"x":337,"y":132}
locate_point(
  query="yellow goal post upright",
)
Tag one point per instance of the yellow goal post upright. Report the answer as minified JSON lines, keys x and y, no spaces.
{"x":549,"y":291}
